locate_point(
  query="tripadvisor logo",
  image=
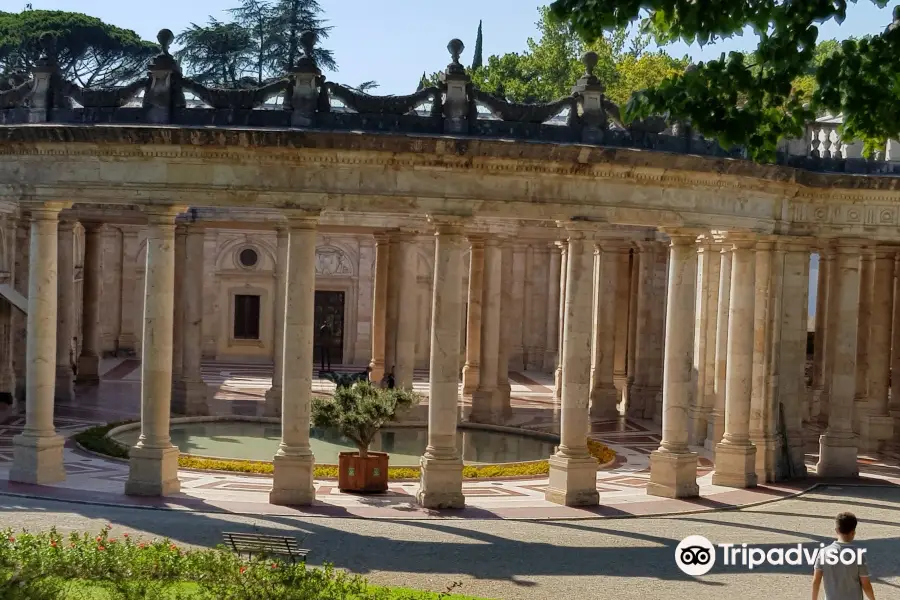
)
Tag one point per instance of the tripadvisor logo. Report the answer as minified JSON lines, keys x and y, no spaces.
{"x":695,"y":555}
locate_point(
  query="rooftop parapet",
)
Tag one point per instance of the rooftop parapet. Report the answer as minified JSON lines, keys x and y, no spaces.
{"x":304,"y":99}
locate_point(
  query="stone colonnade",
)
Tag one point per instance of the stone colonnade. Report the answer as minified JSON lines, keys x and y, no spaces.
{"x":748,"y":398}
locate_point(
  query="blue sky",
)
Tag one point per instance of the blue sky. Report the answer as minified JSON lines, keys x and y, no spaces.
{"x":394,"y":41}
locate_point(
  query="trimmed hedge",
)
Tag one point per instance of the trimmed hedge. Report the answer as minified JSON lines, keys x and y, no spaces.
{"x":95,"y":440}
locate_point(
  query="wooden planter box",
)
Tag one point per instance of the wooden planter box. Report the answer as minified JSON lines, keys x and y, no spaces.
{"x":368,"y":474}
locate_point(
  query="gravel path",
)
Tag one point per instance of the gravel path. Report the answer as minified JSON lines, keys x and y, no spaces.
{"x":621,"y":559}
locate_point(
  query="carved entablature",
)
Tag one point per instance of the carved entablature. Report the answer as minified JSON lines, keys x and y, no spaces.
{"x":332,"y":261}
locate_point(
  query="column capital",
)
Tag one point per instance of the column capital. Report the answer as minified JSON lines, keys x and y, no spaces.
{"x":65,"y":225}
{"x":448,"y":224}
{"x":181,"y":229}
{"x":162,"y":214}
{"x":301,"y":219}
{"x":44,"y":210}
{"x":882,"y":252}
{"x":93,"y":226}
{"x":476,"y":241}
{"x":382,"y":237}
{"x":683,"y":235}
{"x":849,"y":246}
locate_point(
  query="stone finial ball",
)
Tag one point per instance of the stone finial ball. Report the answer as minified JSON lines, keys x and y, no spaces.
{"x":691,"y":68}
{"x":165,"y":37}
{"x":456,"y":47}
{"x":589,"y":60}
{"x":308,"y":39}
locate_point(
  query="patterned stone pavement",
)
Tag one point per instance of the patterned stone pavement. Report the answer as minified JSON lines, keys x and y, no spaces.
{"x":238,"y":389}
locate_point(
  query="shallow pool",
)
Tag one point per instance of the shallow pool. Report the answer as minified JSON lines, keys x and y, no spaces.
{"x":259,"y":441}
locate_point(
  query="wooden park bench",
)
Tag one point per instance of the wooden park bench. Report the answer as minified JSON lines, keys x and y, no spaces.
{"x":254,"y":543}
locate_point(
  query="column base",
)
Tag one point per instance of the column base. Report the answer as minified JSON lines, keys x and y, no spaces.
{"x":376,"y":372}
{"x":735,"y":465}
{"x":796,"y":455}
{"x":190,"y":398}
{"x":487,"y":408}
{"x":292,"y":480}
{"x":715,"y":430}
{"x":875,"y":430}
{"x":37,"y":460}
{"x":126,"y":345}
{"x":698,"y":417}
{"x":440,"y":484}
{"x":272,"y":406}
{"x":673,"y":475}
{"x":837,"y":456}
{"x":550,"y":361}
{"x":642,"y":401}
{"x":88,"y":369}
{"x":603,"y":403}
{"x":658,"y":409}
{"x":152,"y":472}
{"x":470,"y":377}
{"x":65,"y":385}
{"x":768,"y":450}
{"x":573,"y":481}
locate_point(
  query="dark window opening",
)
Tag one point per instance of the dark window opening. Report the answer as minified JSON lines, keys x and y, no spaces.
{"x":246,"y":317}
{"x":248,"y":257}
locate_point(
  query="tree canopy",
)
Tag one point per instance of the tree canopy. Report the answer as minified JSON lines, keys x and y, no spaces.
{"x":550,"y":65}
{"x":89,"y":52}
{"x":756,"y":99}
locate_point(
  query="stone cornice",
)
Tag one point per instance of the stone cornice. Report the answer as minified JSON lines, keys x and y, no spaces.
{"x":329,"y":147}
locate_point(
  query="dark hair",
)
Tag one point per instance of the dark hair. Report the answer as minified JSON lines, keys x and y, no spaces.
{"x":846,"y":523}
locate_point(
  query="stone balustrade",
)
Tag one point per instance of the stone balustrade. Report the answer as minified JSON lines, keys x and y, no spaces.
{"x":303,"y":98}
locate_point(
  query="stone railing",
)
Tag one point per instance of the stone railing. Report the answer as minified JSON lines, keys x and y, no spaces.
{"x":455,"y":106}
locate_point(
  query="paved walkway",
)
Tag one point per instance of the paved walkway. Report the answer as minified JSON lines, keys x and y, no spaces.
{"x":238,"y":389}
{"x":622,"y":559}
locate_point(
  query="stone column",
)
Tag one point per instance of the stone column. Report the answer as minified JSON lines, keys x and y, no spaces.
{"x":820,"y":337}
{"x":292,"y":482}
{"x":486,"y":407}
{"x":180,"y":285}
{"x":701,"y":318}
{"x":673,"y":467}
{"x":708,"y":387}
{"x":89,"y":361}
{"x":877,"y":427}
{"x":866,"y":289}
{"x":894,"y":405}
{"x":393,"y":304}
{"x":38,"y":450}
{"x":563,"y":273}
{"x":762,"y":404}
{"x":573,"y":471}
{"x":406,"y":326}
{"x":153,"y":463}
{"x":470,"y":373}
{"x":633,"y":284}
{"x":832,"y":316}
{"x":791,"y":383}
{"x":553,"y":288}
{"x":735,"y":454}
{"x":506,"y":330}
{"x":127,"y":342}
{"x":273,"y":394}
{"x":379,"y":306}
{"x":715,"y":429}
{"x":191,"y":393}
{"x":65,"y":328}
{"x":643,"y":394}
{"x":440,"y":485}
{"x":837,"y":446}
{"x":623,"y":284}
{"x":603,"y":388}
{"x":7,"y":322}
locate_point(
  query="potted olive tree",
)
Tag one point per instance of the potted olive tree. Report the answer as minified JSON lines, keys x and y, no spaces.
{"x":358,"y":412}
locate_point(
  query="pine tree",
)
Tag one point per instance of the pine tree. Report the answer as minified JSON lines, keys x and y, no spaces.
{"x":477,"y":59}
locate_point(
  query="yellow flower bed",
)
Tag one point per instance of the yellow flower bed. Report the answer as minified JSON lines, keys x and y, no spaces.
{"x":94,"y":439}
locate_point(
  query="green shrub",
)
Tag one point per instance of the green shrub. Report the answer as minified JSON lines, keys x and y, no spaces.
{"x":39,"y":566}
